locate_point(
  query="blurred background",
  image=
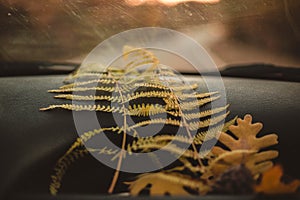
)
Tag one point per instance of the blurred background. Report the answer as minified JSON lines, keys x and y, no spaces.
{"x":233,"y":32}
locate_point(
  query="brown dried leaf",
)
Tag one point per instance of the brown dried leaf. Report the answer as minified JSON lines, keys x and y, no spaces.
{"x":166,"y":183}
{"x":255,"y":162}
{"x":271,"y":183}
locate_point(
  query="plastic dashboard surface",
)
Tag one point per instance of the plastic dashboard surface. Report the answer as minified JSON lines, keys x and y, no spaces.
{"x":32,"y":141}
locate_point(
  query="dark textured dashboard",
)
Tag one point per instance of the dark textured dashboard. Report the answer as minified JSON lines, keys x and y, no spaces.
{"x":32,"y":141}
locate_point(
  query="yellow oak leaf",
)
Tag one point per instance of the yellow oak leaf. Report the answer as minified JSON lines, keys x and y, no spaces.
{"x":246,"y":132}
{"x":245,"y":149}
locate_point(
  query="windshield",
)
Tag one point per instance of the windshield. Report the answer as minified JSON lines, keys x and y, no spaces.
{"x":232,"y":32}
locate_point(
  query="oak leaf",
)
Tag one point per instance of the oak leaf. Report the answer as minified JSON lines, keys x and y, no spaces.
{"x":271,"y":183}
{"x":162,"y":183}
{"x":245,"y":149}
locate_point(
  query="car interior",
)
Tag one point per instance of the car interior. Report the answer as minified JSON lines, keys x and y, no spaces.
{"x":254,"y":46}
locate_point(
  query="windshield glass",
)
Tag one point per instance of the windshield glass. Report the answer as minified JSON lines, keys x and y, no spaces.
{"x":232,"y":32}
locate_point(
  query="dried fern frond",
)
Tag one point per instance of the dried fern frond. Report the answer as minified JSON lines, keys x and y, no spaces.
{"x":103,"y":150}
{"x":197,"y":103}
{"x":89,"y":97}
{"x":93,"y":71}
{"x":84,"y":89}
{"x":168,"y":121}
{"x":77,"y":74}
{"x":93,"y":81}
{"x":212,"y":132}
{"x":159,"y":141}
{"x":164,"y":87}
{"x":198,"y":115}
{"x":146,"y":146}
{"x":145,"y":109}
{"x":75,"y":152}
{"x":152,"y":85}
{"x":90,"y":134}
{"x":183,"y":96}
{"x":75,"y":107}
{"x":209,"y":122}
{"x":140,"y":57}
{"x":62,"y":165}
{"x":148,"y":94}
{"x":129,"y":88}
{"x":138,"y":89}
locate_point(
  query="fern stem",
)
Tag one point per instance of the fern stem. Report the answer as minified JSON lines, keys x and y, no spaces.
{"x":189,"y":135}
{"x":117,"y":172}
{"x":186,"y":127}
